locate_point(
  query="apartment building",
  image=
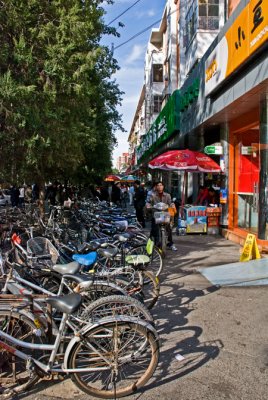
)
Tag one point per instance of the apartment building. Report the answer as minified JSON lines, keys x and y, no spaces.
{"x":122,"y":162}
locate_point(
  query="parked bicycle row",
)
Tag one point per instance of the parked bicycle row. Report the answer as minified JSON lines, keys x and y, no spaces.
{"x":76,"y":290}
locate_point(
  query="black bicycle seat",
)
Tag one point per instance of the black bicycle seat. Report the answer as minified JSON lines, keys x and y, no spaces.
{"x":108,"y":253}
{"x":66,"y":304}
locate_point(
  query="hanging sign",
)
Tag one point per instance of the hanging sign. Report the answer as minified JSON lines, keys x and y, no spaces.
{"x":213,"y":150}
{"x":250,"y":249}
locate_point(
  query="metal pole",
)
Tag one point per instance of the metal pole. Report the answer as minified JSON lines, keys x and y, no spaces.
{"x":263,"y":184}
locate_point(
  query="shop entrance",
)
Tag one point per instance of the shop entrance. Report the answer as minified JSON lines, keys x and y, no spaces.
{"x":246,"y":194}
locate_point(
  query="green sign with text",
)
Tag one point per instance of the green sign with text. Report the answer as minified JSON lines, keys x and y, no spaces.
{"x":213,"y":150}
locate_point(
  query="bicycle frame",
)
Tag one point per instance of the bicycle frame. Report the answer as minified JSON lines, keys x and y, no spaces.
{"x":53,"y":348}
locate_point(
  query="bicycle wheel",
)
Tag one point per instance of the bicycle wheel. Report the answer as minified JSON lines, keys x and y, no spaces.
{"x":112,"y":306}
{"x":163,"y":241}
{"x":156,"y":261}
{"x":13,"y":369}
{"x":150,"y":288}
{"x":120,"y":356}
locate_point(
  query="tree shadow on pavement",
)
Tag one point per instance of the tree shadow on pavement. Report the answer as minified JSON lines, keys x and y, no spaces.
{"x":181,"y":350}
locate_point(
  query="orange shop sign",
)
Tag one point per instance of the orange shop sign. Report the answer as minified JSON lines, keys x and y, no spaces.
{"x":248,"y":32}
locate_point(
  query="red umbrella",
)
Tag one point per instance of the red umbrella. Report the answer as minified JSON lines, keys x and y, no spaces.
{"x":112,"y":178}
{"x":184,"y":160}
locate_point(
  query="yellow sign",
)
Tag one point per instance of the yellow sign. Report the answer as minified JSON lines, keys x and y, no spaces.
{"x":250,"y":249}
{"x":248,"y":32}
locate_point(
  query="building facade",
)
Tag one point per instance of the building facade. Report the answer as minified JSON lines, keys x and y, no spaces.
{"x":219,"y":98}
{"x":122,"y":162}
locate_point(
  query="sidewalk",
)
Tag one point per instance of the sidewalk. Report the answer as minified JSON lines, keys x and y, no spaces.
{"x":214,"y":339}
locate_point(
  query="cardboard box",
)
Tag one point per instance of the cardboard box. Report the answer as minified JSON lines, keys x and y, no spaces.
{"x":213,"y":221}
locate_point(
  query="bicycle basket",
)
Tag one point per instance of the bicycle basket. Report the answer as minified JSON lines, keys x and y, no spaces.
{"x":162,"y":217}
{"x":40,"y":246}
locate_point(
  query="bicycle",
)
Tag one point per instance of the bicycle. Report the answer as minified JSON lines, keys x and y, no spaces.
{"x":110,"y":358}
{"x":162,"y":220}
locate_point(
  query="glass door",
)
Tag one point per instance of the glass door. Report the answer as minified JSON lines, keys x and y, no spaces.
{"x":247,"y":180}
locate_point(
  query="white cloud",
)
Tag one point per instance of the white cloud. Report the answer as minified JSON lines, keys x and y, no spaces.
{"x":137,"y":53}
{"x":147,"y":13}
{"x":130,"y":78}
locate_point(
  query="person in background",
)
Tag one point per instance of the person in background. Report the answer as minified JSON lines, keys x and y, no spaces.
{"x":131,"y":193}
{"x":35,"y":192}
{"x":206,"y":196}
{"x":21,"y":196}
{"x":148,"y":211}
{"x":14,"y":196}
{"x":159,"y":196}
{"x":139,"y":201}
{"x":151,"y":191}
{"x":124,"y":195}
{"x":116,"y":194}
{"x":28,"y":194}
{"x":104,"y":193}
{"x":110,"y":188}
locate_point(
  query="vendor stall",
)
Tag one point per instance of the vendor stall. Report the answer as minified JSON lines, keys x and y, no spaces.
{"x":192,"y":218}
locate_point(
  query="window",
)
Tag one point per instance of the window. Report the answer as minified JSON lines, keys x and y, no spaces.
{"x":191,"y":22}
{"x":208,"y":14}
{"x":157,"y":104}
{"x":201,"y":14}
{"x":157,"y":73}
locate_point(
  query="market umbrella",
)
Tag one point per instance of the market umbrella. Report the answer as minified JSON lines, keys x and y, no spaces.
{"x":184,"y":160}
{"x":112,"y":178}
{"x":129,"y":178}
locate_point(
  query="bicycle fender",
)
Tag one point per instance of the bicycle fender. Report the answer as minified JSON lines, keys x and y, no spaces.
{"x":68,"y":350}
{"x":119,"y":319}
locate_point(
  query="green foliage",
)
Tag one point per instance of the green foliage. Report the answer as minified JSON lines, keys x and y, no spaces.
{"x":57,"y":100}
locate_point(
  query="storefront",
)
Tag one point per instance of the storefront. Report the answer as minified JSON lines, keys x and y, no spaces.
{"x":232,"y":108}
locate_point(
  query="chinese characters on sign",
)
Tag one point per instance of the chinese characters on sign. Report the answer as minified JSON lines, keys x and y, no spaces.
{"x":241,"y":33}
{"x":248,"y":32}
{"x":257,"y":17}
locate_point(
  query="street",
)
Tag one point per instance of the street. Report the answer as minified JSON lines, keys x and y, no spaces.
{"x":214,"y":340}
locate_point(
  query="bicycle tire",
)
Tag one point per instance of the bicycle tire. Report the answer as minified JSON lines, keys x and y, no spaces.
{"x":116,"y":305}
{"x":150,"y":288}
{"x":132,"y":346}
{"x":163,"y":242}
{"x":22,"y":328}
{"x":101,"y":289}
{"x":156,"y":261}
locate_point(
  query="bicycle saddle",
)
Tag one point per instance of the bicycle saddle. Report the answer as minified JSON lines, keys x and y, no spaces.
{"x":65,"y":304}
{"x":108,"y":253}
{"x":93,"y":246}
{"x":85,"y":259}
{"x":123,"y":237}
{"x":70,"y":268}
{"x":136,"y":260}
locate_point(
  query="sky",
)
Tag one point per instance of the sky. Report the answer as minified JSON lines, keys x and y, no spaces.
{"x":131,"y":56}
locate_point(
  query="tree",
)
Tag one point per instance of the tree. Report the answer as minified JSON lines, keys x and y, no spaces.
{"x":57,"y":100}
